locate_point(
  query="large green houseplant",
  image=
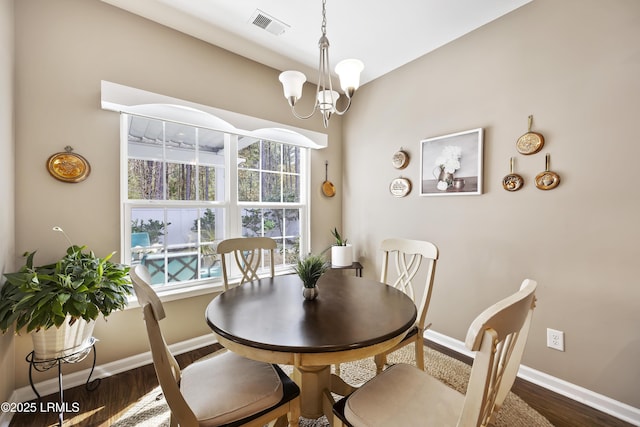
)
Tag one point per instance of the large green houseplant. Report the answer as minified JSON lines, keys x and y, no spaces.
{"x":73,"y":291}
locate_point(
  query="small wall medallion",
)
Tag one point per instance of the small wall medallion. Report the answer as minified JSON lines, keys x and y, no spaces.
{"x":400,"y":187}
{"x":400,"y":159}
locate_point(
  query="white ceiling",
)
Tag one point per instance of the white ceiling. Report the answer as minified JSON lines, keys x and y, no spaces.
{"x":383,"y":34}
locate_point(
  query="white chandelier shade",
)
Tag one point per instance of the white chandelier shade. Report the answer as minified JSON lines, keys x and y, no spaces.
{"x":292,"y":82}
{"x":348,"y":71}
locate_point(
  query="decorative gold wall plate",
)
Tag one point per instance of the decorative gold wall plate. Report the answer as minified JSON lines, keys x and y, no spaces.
{"x":530,"y":142}
{"x":400,"y":159}
{"x":400,"y":187}
{"x":68,"y":167}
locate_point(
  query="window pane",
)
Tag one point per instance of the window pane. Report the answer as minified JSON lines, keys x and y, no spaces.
{"x":208,"y":231}
{"x":181,"y":157}
{"x":291,"y":188}
{"x":292,"y":222}
{"x":149,"y":227}
{"x":271,"y":187}
{"x":290,"y":159}
{"x":145,"y":180}
{"x":251,"y":222}
{"x":273,"y":224}
{"x":181,"y":181}
{"x":182,"y":249}
{"x":248,"y":186}
{"x":271,"y":156}
{"x":248,"y":153}
{"x":291,"y":250}
{"x":211,"y":160}
{"x":148,"y":231}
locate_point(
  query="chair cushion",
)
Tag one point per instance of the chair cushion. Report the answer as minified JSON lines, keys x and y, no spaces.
{"x":403,"y":395}
{"x":228,"y":387}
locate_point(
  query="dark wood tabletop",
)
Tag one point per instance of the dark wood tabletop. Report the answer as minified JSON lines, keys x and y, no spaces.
{"x":349,"y":313}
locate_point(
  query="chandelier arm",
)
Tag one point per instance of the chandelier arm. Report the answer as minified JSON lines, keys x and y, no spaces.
{"x":297,"y":116}
{"x":346,"y":108}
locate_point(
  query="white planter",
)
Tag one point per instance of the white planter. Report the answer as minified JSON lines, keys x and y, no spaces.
{"x":55,"y":342}
{"x":342,"y":256}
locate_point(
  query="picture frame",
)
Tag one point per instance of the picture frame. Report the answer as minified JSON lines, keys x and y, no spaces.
{"x":451,"y":165}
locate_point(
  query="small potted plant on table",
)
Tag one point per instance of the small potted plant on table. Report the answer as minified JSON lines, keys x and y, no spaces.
{"x":341,"y":251}
{"x":58,"y":303}
{"x":310,"y":269}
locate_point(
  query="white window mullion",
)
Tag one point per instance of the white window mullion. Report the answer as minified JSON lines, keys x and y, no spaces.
{"x":232,"y":221}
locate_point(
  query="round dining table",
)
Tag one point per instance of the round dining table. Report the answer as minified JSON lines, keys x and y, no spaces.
{"x":352,"y":318}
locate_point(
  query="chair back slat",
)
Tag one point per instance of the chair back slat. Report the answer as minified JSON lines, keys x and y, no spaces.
{"x":408,"y":257}
{"x":247,"y":253}
{"x":498,"y":336}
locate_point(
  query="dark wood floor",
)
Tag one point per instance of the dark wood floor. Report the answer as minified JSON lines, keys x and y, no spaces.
{"x":116,"y":394}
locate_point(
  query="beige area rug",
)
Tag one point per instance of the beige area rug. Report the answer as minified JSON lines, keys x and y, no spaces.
{"x":152,"y":410}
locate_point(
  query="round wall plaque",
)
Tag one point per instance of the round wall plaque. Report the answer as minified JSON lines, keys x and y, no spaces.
{"x":400,"y":187}
{"x":400,"y":159}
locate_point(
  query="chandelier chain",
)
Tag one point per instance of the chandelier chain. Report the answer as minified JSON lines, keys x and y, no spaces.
{"x":323,"y":27}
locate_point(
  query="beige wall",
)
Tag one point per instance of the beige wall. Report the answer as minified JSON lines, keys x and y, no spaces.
{"x":7,"y":358}
{"x":64,"y":48}
{"x":574,"y":65}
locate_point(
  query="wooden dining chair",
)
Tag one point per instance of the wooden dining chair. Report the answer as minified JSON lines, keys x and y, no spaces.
{"x":405,"y":396}
{"x":248,"y":253}
{"x":410,"y":257}
{"x":220,"y":390}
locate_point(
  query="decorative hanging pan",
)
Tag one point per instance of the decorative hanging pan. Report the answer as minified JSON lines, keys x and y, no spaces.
{"x":512,"y":181}
{"x":547,"y":180}
{"x":328,"y":189}
{"x":530,"y":142}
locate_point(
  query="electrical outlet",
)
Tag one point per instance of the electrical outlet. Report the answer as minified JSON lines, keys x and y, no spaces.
{"x":555,"y":339}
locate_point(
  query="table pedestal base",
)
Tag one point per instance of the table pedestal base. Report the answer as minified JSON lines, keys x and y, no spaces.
{"x":316,"y":385}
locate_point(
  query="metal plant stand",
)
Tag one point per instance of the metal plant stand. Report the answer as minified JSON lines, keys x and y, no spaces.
{"x":44,"y":365}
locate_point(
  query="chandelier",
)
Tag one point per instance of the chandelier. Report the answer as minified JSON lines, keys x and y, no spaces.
{"x":348,"y":72}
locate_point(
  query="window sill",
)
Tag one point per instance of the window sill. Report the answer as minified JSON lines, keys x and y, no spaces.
{"x":182,"y":293}
{"x":209,"y":288}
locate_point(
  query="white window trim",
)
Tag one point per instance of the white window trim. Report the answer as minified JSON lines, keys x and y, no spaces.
{"x":124,"y":99}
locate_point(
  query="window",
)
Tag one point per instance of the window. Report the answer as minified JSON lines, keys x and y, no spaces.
{"x":185,"y":188}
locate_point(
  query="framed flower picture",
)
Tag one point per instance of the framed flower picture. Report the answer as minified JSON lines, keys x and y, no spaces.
{"x":452,"y":164}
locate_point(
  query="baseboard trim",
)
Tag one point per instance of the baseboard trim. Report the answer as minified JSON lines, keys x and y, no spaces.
{"x":575,"y":392}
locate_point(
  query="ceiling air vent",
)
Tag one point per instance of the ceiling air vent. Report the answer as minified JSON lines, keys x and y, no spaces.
{"x":269,"y":23}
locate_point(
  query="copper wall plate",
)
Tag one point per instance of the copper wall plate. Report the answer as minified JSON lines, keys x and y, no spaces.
{"x":512,"y":181}
{"x":547,"y":180}
{"x":68,"y":167}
